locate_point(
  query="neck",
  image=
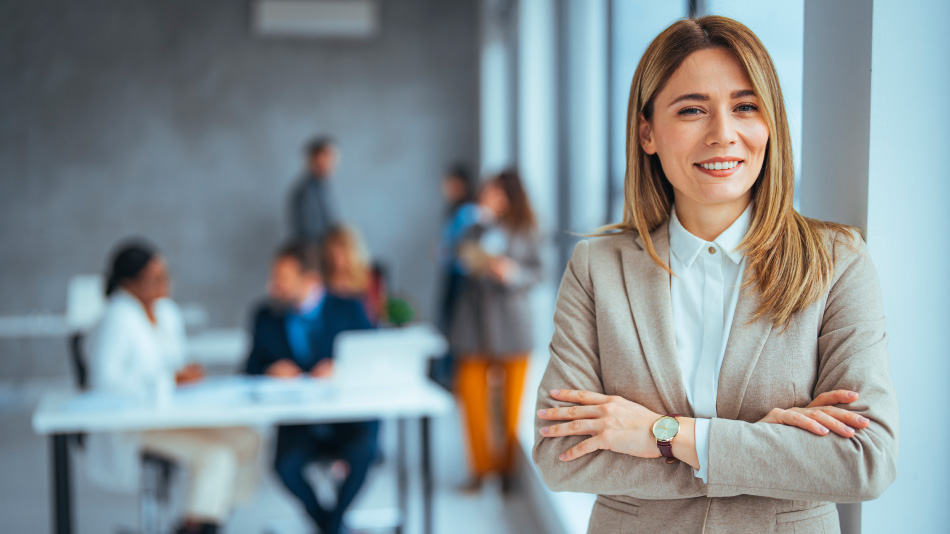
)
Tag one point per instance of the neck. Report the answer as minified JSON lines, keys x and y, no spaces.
{"x":708,"y":221}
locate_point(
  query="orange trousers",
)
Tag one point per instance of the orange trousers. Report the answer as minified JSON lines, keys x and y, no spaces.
{"x":474,"y":396}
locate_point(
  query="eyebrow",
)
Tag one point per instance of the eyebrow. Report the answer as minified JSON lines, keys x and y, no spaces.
{"x":704,"y":98}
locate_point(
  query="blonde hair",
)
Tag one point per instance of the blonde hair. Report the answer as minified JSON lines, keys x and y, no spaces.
{"x":788,"y":261}
{"x":356,"y":278}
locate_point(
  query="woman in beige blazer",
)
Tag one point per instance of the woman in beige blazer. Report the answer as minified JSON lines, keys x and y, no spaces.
{"x":715,"y":325}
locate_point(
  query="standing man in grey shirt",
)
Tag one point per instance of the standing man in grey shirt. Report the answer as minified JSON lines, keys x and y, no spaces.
{"x":312,"y":206}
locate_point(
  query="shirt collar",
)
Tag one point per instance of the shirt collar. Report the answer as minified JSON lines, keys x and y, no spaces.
{"x":311,"y":302}
{"x":687,"y":246}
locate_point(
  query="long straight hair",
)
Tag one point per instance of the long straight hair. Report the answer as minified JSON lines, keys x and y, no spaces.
{"x":789,"y":262}
{"x":520,"y":216}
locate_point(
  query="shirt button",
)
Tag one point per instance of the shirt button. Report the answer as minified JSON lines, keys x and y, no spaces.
{"x":712,"y":250}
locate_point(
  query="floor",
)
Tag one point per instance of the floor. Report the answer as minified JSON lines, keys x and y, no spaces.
{"x":25,"y":505}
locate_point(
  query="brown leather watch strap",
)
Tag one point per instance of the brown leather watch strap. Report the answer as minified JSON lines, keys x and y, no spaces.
{"x":666,"y":447}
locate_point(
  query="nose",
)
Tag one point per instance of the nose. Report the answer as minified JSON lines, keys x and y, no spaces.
{"x":722,"y":130}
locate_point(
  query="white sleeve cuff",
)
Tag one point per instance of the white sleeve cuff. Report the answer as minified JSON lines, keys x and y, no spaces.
{"x":702,"y":448}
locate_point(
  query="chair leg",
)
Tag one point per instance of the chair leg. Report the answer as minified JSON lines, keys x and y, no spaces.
{"x":148,"y":501}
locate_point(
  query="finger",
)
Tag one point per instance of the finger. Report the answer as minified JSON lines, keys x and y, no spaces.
{"x":831,"y":423}
{"x":578,"y":427}
{"x":830,"y":398}
{"x":569,"y":413}
{"x":585,"y":447}
{"x":847,"y":417}
{"x":800,"y":420}
{"x":579,"y":397}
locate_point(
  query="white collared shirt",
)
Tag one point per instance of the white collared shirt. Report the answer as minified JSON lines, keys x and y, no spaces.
{"x":704,"y":291}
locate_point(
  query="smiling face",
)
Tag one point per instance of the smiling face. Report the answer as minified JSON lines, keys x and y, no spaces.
{"x":709,"y":133}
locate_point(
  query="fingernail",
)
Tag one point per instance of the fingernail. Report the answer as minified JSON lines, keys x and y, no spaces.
{"x":822,"y":429}
{"x":849,"y":430}
{"x":555,"y":391}
{"x":540,"y":413}
{"x":544,"y":430}
{"x":862,"y":419}
{"x":563,"y":457}
{"x":852,"y":395}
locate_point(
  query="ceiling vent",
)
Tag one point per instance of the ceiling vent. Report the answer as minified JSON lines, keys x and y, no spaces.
{"x":316,"y":19}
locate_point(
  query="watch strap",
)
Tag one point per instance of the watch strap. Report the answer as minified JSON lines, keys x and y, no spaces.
{"x":666,"y":447}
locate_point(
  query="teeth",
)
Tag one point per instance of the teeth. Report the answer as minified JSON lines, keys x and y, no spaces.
{"x":719,"y":165}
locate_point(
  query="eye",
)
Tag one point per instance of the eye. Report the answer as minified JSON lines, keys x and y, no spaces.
{"x":689,"y":111}
{"x":747,"y":108}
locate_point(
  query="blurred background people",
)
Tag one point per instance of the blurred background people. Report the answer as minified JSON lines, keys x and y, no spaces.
{"x":138,"y":350}
{"x":349,"y":274}
{"x":492,"y":321}
{"x":312,"y":204}
{"x":293,"y":336}
{"x":461,"y":212}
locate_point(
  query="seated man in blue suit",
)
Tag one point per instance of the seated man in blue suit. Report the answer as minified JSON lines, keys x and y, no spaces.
{"x":293,"y":336}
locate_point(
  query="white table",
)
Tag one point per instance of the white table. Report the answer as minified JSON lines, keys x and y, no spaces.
{"x":238,"y":401}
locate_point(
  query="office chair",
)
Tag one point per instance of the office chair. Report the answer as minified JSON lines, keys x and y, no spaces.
{"x":157,"y":471}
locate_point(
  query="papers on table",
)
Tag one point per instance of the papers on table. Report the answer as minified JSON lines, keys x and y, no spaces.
{"x":221,"y":392}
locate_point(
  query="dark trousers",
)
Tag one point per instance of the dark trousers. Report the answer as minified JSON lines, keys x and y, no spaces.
{"x":299,"y":445}
{"x":442,"y":370}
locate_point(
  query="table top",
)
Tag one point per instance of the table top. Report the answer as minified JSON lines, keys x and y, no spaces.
{"x":239,"y":401}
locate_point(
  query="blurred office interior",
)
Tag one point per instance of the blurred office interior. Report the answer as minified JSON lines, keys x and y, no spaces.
{"x":185,"y":122}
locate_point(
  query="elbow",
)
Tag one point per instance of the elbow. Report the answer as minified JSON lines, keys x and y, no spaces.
{"x":877,"y":470}
{"x":550,"y":468}
{"x":879,"y":476}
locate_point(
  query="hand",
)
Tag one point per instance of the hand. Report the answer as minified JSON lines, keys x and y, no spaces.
{"x":615,"y":424}
{"x":323,"y":369}
{"x":821,"y":415}
{"x":285,"y":368}
{"x":502,"y":268}
{"x":189,"y":374}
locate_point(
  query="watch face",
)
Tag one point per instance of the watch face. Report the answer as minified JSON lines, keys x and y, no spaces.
{"x":665,"y":428}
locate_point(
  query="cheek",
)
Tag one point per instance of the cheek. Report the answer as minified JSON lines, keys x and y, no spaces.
{"x":758,"y":139}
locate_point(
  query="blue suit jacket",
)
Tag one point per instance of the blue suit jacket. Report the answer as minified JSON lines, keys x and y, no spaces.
{"x":270,"y":342}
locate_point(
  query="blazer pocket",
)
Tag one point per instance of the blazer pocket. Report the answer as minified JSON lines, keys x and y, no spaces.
{"x":619,"y":506}
{"x":813,"y":520}
{"x":610,"y":516}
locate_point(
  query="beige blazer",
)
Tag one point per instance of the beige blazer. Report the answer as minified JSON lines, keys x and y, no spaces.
{"x":614,"y":334}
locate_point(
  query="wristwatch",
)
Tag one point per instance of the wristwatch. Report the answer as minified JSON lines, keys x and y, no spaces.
{"x":664,"y":430}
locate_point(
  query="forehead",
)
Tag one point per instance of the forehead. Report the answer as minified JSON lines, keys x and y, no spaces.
{"x":286,"y":265}
{"x":714,"y":72}
{"x":155,"y":266}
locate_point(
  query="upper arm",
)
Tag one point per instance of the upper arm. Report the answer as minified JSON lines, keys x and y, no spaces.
{"x":259,"y":358}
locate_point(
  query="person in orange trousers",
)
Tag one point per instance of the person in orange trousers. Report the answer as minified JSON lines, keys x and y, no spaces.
{"x":491,"y":323}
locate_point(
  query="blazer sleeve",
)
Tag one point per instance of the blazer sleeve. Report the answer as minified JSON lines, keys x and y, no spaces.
{"x":575,"y":364}
{"x":530,"y":270}
{"x":260,"y":358}
{"x":786,"y":462}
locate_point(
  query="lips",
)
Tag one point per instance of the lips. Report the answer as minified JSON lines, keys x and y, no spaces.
{"x":719,"y":167}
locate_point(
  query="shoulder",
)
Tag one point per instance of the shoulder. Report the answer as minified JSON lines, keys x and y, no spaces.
{"x":607,"y":249}
{"x":846,"y":249}
{"x":121,"y":310}
{"x":341,"y":303}
{"x":264,"y":313}
{"x":468,"y":213}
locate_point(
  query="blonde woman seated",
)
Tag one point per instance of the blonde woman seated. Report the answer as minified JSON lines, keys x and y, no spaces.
{"x":138,"y":348}
{"x":719,"y":362}
{"x":349,"y":274}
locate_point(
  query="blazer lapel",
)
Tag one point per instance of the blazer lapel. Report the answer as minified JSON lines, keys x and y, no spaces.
{"x":745,"y":344}
{"x":648,"y":291}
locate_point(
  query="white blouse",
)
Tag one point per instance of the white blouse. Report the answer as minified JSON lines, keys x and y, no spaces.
{"x":127,"y":353}
{"x":130,"y":356}
{"x":704,"y":294}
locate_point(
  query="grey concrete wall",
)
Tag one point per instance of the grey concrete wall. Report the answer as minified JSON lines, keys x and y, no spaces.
{"x":171,"y":120}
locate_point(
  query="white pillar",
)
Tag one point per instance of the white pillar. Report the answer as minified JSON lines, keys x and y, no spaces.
{"x":876,"y":128}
